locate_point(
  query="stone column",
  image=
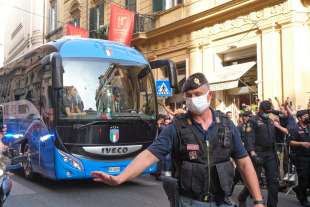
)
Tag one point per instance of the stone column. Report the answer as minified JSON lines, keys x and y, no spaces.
{"x":271,"y":61}
{"x":195,"y":59}
{"x":296,"y":56}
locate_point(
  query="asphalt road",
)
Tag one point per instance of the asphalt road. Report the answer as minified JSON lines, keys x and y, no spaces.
{"x":144,"y":191}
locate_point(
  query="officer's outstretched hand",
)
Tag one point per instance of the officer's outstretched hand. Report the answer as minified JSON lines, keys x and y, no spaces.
{"x":105,"y":178}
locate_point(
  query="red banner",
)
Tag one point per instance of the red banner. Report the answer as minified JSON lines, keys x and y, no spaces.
{"x":121,"y":24}
{"x":76,"y":31}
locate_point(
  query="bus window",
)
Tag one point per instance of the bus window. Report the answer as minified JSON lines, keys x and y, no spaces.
{"x":93,"y":88}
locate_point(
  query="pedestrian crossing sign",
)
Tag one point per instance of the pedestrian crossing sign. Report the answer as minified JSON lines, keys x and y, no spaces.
{"x":163,"y":88}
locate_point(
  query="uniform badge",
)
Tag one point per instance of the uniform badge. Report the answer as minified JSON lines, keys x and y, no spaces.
{"x":193,"y":155}
{"x":197,"y":81}
{"x":192,"y":147}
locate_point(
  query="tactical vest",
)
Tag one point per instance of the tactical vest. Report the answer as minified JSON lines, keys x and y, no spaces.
{"x":304,"y":136}
{"x":203,"y":168}
{"x":264,"y":134}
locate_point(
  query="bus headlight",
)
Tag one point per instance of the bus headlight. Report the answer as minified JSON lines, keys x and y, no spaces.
{"x":74,"y":162}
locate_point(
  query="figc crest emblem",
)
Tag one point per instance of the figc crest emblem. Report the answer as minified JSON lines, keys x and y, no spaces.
{"x":114,"y":134}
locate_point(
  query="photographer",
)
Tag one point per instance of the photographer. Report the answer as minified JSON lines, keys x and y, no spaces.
{"x":300,"y":143}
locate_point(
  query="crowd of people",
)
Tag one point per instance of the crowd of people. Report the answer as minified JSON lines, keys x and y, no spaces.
{"x":285,"y":146}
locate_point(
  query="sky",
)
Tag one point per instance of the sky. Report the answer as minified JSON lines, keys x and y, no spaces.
{"x":4,"y":11}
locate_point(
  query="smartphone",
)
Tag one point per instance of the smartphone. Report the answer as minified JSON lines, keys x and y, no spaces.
{"x":1,"y":118}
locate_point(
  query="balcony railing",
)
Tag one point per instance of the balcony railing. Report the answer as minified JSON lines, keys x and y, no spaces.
{"x":144,"y":23}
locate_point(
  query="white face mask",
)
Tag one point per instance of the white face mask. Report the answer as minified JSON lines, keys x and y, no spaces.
{"x":198,"y":104}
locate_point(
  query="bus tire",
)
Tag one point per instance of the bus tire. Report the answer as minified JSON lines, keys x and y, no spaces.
{"x":27,"y":166}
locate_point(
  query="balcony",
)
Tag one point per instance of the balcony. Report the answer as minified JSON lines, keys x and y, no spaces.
{"x":143,"y":23}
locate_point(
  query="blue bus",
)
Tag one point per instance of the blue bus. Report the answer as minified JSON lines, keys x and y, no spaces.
{"x":74,"y":105}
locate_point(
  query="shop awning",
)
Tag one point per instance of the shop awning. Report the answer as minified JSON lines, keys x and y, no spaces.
{"x":229,"y":76}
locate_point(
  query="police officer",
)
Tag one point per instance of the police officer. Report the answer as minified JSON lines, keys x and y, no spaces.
{"x":244,"y":128}
{"x":263,"y":150}
{"x":201,"y":143}
{"x":300,"y":143}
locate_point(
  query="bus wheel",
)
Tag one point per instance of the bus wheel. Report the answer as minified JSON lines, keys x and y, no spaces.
{"x":27,"y":167}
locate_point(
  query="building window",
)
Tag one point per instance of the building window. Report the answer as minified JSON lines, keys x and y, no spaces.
{"x":75,"y":14}
{"x":131,"y":5}
{"x":96,"y":20}
{"x":53,"y":15}
{"x":161,"y":5}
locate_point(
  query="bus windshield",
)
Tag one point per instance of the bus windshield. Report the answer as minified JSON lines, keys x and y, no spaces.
{"x":96,"y":88}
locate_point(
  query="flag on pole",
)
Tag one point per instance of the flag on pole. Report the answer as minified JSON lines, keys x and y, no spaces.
{"x":121,"y":25}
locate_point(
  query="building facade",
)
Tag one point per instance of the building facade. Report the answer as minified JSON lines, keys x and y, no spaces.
{"x":90,"y":15}
{"x":25,"y":30}
{"x":247,"y":49}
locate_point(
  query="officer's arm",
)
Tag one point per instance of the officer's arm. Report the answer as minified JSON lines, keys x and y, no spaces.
{"x":135,"y":168}
{"x":249,"y":176}
{"x":280,"y":128}
{"x":295,"y":142}
{"x":138,"y":165}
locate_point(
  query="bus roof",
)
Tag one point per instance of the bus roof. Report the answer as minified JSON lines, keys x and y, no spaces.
{"x":75,"y":47}
{"x":96,"y":48}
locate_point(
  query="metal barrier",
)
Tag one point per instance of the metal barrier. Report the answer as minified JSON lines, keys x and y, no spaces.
{"x":287,"y":170}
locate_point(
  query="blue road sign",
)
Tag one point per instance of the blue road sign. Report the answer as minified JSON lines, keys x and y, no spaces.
{"x":163,"y":88}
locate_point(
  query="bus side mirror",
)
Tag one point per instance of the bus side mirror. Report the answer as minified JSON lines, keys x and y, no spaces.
{"x":57,"y":71}
{"x":170,"y":67}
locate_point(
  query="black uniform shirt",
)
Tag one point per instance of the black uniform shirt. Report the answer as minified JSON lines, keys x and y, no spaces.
{"x":262,"y":133}
{"x":301,"y":134}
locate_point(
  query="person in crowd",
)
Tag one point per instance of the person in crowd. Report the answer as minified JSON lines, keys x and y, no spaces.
{"x":243,"y":128}
{"x":71,"y":107}
{"x":229,"y":115}
{"x":172,"y":113}
{"x":116,"y":100}
{"x":262,"y":133}
{"x":300,"y":142}
{"x":240,"y":119}
{"x":167,"y":120}
{"x":201,"y":177}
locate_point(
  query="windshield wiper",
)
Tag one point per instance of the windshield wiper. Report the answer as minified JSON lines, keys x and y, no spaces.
{"x":80,"y":126}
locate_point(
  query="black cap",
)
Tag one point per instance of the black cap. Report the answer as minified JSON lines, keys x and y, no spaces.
{"x":301,"y":113}
{"x":265,"y":106}
{"x":194,"y":81}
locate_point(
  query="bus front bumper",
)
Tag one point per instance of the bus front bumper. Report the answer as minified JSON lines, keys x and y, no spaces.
{"x":68,"y":166}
